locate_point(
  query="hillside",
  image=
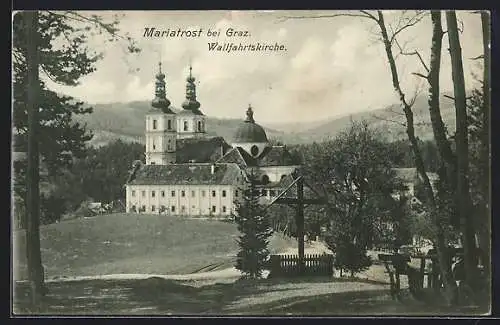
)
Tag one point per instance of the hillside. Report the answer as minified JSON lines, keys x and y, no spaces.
{"x":388,"y":119}
{"x":126,"y":121}
{"x":134,"y":244}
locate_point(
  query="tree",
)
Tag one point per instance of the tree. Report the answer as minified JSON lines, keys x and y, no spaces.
{"x":461,"y":138}
{"x":255,"y":228}
{"x":354,"y":168}
{"x":389,"y":40}
{"x":485,"y":230}
{"x":438,"y":127}
{"x":34,"y":259}
{"x":43,"y":115}
{"x":479,"y":173}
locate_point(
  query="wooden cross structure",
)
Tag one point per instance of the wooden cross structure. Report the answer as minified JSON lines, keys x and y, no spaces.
{"x":299,"y":203}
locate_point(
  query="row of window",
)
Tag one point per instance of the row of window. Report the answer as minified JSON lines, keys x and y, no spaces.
{"x":200,"y":126}
{"x":172,"y":208}
{"x":169,"y":125}
{"x":169,"y":146}
{"x":183,"y":193}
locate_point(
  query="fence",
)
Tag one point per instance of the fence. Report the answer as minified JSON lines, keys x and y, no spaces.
{"x":314,"y":264}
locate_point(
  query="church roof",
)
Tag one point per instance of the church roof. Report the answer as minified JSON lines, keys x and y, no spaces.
{"x":163,"y":110}
{"x":271,"y":156}
{"x":249,"y":131}
{"x":238,"y":156}
{"x":190,"y":112}
{"x":276,"y":156}
{"x":187,"y":174}
{"x":201,"y":150}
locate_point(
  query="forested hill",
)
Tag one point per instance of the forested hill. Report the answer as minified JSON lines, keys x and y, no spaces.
{"x":126,"y":121}
{"x":390,"y":120}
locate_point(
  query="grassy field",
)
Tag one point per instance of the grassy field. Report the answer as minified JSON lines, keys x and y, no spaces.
{"x":133,"y":244}
{"x":151,"y":244}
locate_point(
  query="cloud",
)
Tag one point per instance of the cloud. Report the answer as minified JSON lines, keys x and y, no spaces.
{"x":90,"y":91}
{"x":331,"y":66}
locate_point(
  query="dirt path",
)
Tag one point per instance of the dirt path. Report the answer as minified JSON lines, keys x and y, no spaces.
{"x":279,"y":294}
{"x":228,"y":274}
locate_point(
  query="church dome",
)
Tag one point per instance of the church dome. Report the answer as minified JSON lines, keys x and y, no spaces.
{"x":249,"y":131}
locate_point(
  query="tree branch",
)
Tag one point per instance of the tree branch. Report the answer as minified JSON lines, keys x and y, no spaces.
{"x":108,"y":27}
{"x":388,"y":120}
{"x":420,"y":75}
{"x":480,"y":57}
{"x":401,"y":51}
{"x":411,"y":22}
{"x":361,"y":14}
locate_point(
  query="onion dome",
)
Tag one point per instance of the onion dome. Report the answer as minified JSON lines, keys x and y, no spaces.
{"x":191,"y":103}
{"x":161,"y":101}
{"x":249,"y":131}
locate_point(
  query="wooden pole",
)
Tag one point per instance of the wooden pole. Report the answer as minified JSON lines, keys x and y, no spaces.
{"x":300,"y":222}
{"x":35,"y":273}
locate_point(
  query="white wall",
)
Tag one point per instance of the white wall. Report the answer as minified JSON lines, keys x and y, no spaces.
{"x":157,"y":140}
{"x":276,"y":172}
{"x":197,"y":205}
{"x":192,"y":126}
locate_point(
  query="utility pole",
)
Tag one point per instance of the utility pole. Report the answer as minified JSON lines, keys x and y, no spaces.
{"x":35,"y":272}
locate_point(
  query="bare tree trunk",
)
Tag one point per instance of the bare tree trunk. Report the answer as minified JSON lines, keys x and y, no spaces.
{"x":438,"y":126}
{"x":463,"y":195}
{"x":35,"y":272}
{"x":486,"y":231}
{"x":410,"y":131}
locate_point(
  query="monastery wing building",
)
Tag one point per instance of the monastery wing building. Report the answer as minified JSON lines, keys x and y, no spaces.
{"x":188,"y":173}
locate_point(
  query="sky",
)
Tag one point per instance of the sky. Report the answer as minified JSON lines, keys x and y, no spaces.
{"x":331,"y":67}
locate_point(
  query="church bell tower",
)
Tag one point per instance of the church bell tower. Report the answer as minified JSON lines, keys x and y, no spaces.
{"x":161,"y":133}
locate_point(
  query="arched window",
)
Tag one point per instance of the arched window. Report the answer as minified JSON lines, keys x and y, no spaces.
{"x":185,"y":125}
{"x":199,"y":126}
{"x":265,"y":179}
{"x":169,"y":124}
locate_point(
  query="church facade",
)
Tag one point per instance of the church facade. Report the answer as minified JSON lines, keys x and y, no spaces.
{"x":189,"y":174}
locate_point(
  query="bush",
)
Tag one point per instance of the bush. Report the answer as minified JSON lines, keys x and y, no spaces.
{"x":83,"y":210}
{"x":51,"y":209}
{"x":351,"y":257}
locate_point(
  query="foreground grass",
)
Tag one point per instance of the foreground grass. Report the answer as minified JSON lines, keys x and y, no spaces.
{"x":132,"y":243}
{"x":157,"y":296}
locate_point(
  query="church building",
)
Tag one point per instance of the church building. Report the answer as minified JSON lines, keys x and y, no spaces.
{"x":189,"y":174}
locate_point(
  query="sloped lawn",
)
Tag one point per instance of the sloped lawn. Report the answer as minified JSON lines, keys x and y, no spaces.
{"x":132,"y":243}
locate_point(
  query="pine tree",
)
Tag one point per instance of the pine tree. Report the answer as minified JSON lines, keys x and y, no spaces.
{"x":255,"y":228}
